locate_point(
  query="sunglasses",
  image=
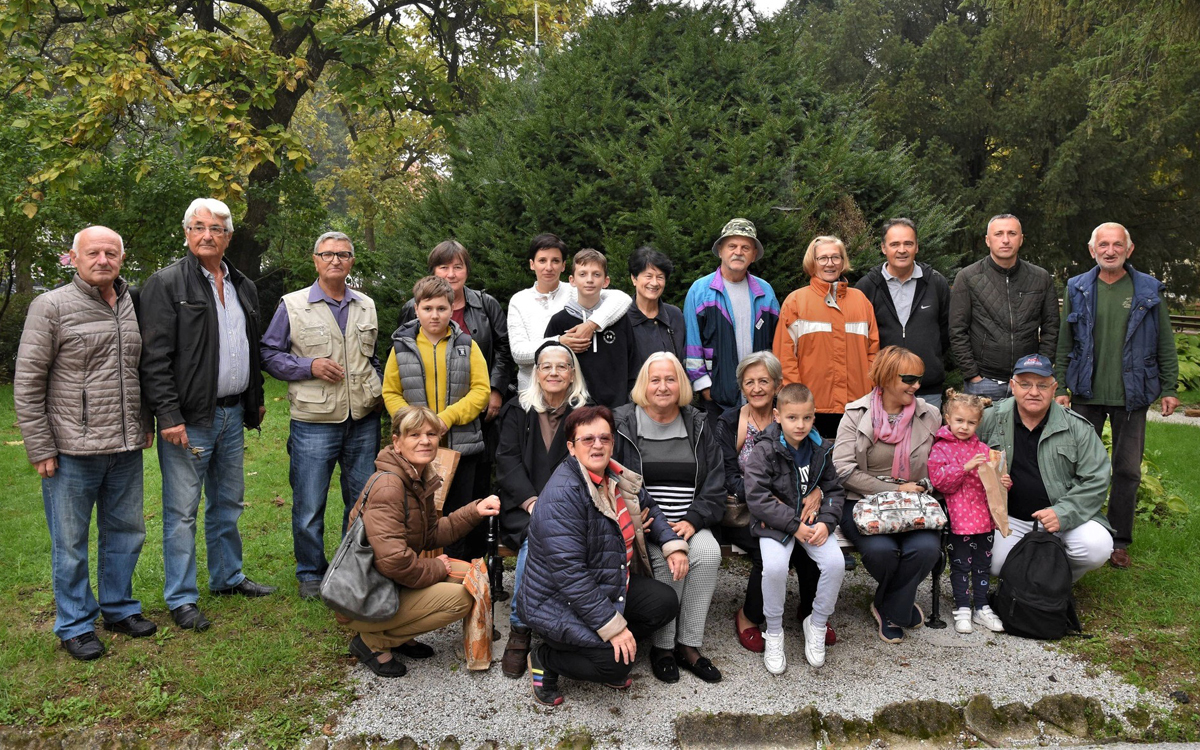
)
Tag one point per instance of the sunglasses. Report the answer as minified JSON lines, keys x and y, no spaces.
{"x":911,"y":379}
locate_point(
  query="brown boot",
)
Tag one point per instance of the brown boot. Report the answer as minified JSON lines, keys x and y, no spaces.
{"x":516,"y":652}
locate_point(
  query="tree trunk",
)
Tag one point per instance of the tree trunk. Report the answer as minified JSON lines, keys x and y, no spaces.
{"x":246,"y":249}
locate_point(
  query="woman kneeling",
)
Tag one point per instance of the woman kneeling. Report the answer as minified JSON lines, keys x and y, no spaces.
{"x":401,"y":522}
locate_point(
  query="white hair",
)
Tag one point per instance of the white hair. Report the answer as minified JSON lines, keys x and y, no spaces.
{"x":215,"y":207}
{"x":1106,"y":225}
{"x":531,"y":397}
{"x":75,"y":239}
{"x":332,"y":237}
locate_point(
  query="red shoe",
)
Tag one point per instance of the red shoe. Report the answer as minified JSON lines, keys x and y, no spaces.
{"x":751,"y":638}
{"x":830,"y":636}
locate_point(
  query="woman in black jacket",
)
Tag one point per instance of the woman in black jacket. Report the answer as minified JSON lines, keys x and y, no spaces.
{"x":532,"y":445}
{"x":663,"y":438}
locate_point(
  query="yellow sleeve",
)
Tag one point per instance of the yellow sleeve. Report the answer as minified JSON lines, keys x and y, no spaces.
{"x":471,"y":405}
{"x":393,"y":391}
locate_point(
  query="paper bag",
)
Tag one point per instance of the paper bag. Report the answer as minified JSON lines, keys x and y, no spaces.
{"x":997,"y":496}
{"x":477,"y":625}
{"x":446,"y":465}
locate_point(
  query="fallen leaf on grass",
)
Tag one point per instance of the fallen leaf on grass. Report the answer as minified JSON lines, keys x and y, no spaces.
{"x":278,"y":501}
{"x":252,"y":473}
{"x":14,"y":442}
{"x":277,"y":398}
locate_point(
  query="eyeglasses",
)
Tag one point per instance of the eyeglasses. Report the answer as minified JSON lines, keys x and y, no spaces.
{"x":328,"y":256}
{"x":828,"y":260}
{"x":587,"y":441}
{"x":1041,"y":387}
{"x":216,"y":230}
{"x":910,"y":379}
{"x":549,"y":367}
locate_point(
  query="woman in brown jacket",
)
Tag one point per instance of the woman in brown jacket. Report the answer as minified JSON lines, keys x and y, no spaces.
{"x":400,"y":521}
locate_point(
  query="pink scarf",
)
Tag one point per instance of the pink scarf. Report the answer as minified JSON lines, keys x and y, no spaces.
{"x":897,"y":434}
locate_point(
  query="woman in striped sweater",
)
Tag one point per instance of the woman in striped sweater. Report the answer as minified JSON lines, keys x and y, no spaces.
{"x":663,"y":438}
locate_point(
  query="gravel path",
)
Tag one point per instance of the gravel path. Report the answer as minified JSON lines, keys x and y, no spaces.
{"x":1154,"y":415}
{"x":860,"y":675}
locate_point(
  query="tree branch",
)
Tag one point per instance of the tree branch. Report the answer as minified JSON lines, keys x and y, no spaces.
{"x":266,"y":13}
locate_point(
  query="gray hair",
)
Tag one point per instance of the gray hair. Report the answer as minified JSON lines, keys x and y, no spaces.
{"x":336,"y":237}
{"x":998,"y":217}
{"x":577,"y":396}
{"x":1106,"y":225}
{"x":213,"y":206}
{"x":767,"y":360}
{"x":899,"y":221}
{"x":75,"y":239}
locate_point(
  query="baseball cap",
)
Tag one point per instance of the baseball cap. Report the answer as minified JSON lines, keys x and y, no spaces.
{"x":1034,"y":363}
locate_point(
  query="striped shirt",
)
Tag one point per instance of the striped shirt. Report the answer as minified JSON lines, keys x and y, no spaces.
{"x":668,"y":465}
{"x":624,"y":522}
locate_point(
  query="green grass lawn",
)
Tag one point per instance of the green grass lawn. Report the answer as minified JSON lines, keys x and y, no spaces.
{"x":274,"y":668}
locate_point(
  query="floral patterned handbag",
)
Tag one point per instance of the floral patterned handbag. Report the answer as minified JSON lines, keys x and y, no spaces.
{"x":895,"y":512}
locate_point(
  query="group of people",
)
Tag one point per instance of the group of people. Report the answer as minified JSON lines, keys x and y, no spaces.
{"x":629,"y":439}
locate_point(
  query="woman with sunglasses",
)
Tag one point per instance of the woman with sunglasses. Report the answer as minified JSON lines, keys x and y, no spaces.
{"x":826,"y":337}
{"x":883,"y":445}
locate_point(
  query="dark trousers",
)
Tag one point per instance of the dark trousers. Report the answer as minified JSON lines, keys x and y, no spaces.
{"x":970,"y":567}
{"x":897,"y":562}
{"x":713,"y":411}
{"x":1128,"y":446}
{"x":806,"y":572}
{"x":826,"y":425}
{"x":649,"y":604}
{"x":461,"y":493}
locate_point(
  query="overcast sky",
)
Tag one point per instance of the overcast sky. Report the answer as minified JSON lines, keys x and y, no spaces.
{"x":765,"y":7}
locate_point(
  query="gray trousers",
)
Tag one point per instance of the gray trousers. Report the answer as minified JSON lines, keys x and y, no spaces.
{"x":1128,"y":446}
{"x":695,"y":590}
{"x":776,"y":558}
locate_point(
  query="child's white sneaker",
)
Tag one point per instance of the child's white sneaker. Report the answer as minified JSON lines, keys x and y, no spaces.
{"x":814,"y":643}
{"x":773,"y":657}
{"x":962,"y":620}
{"x":989,"y":619}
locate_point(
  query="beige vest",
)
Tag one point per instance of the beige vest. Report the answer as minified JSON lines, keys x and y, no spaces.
{"x":315,"y":334}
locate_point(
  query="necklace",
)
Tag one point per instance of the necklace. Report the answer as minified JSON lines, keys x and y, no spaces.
{"x":754,"y":421}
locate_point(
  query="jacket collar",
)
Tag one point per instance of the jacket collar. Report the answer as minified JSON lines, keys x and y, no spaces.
{"x":119,"y":286}
{"x":409,"y":331}
{"x":316,"y":293}
{"x":422,"y":484}
{"x":823,"y":288}
{"x":1056,"y":420}
{"x":753,"y":284}
{"x":1016,"y":268}
{"x":190,"y":260}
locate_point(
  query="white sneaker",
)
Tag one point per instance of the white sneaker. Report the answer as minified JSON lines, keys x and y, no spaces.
{"x":773,"y":657}
{"x":989,"y":619}
{"x":962,"y":620}
{"x":814,"y":643}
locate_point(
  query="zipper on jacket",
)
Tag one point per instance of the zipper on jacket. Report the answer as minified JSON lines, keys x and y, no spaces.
{"x":84,"y":417}
{"x":1012,"y":333}
{"x":120,"y":377}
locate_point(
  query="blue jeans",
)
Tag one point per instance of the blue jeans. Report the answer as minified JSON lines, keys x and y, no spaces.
{"x":523,"y":553}
{"x":315,"y":449}
{"x":112,"y":483}
{"x":218,"y":469}
{"x":993,"y":389}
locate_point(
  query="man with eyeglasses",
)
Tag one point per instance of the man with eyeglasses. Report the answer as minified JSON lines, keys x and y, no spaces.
{"x":1000,"y":307}
{"x":321,"y":341}
{"x":201,"y":378}
{"x":1058,"y":466}
{"x":1116,"y":355}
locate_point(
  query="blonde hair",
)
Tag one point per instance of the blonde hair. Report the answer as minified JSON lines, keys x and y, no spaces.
{"x":810,"y":255}
{"x":411,"y":418}
{"x":890,"y":363}
{"x":640,"y":386}
{"x":577,"y":395}
{"x":954,"y":399}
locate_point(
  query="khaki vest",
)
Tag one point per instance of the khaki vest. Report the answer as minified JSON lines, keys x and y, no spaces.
{"x":315,"y":334}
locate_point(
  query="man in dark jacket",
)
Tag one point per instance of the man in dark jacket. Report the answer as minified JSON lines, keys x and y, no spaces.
{"x":912,"y":305}
{"x":201,"y":378}
{"x":1116,"y":355}
{"x":1001,"y":308}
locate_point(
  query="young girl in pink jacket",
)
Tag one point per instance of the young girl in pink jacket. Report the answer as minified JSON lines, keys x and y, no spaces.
{"x":954,"y":470}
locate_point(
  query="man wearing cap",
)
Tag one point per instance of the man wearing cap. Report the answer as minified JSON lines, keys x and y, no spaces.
{"x":1116,"y":355}
{"x":729,"y":314}
{"x":1058,"y":466}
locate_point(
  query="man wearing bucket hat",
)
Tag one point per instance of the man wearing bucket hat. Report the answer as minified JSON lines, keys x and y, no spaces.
{"x":1058,"y":465}
{"x":729,"y":314}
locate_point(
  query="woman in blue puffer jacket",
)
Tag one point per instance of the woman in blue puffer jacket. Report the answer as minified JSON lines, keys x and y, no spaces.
{"x":588,"y":590}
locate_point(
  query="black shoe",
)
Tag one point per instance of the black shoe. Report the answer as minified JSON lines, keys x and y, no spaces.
{"x":246,"y":588}
{"x":84,"y":647}
{"x":851,"y":563}
{"x":662,"y":662}
{"x":414,"y":649}
{"x":189,"y":617}
{"x":500,"y":595}
{"x":702,"y":668}
{"x":390,"y":669}
{"x":545,"y":682}
{"x":134,"y":626}
{"x":308,"y":589}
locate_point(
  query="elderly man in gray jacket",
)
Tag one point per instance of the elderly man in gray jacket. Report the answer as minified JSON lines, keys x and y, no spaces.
{"x":78,"y":402}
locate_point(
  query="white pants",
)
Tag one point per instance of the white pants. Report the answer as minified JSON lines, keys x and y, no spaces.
{"x":776,"y":558}
{"x":1088,"y":546}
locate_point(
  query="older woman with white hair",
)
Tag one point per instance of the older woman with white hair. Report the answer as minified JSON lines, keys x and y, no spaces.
{"x":663,"y":438}
{"x":532,"y":445}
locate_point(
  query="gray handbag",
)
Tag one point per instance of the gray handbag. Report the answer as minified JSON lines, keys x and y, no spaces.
{"x":352,"y":586}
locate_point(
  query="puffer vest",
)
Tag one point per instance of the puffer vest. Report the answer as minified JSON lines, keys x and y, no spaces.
{"x":467,"y":439}
{"x":1139,"y":353}
{"x":315,"y":334}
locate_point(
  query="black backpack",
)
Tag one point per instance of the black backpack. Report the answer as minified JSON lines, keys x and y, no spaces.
{"x":1033,"y":598}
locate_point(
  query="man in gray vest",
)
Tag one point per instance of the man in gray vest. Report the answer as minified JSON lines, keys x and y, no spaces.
{"x":322,"y":342}
{"x":78,"y":401}
{"x":1116,"y":355}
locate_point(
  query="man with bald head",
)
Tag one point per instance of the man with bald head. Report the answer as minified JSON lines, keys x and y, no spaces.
{"x":1116,"y":356}
{"x":79,"y":407}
